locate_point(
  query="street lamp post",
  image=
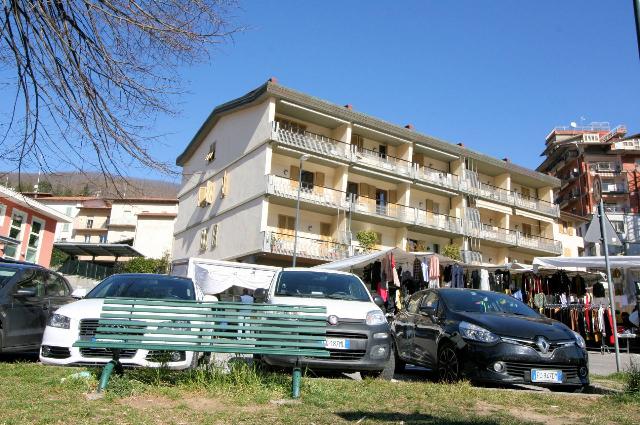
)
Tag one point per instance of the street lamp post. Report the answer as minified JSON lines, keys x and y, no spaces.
{"x":295,"y":232}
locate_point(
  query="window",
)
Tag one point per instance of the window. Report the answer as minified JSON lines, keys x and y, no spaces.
{"x":352,"y":190}
{"x":35,"y":237}
{"x":65,"y":227}
{"x":291,"y":126}
{"x":526,"y":193}
{"x":56,"y":286}
{"x":18,"y":219}
{"x":307,"y":180}
{"x":436,"y":248}
{"x":357,"y":141}
{"x":618,"y":226}
{"x":103,"y":238}
{"x":87,"y":238}
{"x":3,"y":212}
{"x":67,"y":211}
{"x":204,"y":234}
{"x":211,"y":155}
{"x":31,"y":280}
{"x":430,"y":300}
{"x":224,"y":189}
{"x":382,"y":151}
{"x":564,"y":227}
{"x":325,"y":229}
{"x":286,"y":222}
{"x":214,"y":236}
{"x":89,"y":223}
{"x":526,"y":229}
{"x":414,"y":302}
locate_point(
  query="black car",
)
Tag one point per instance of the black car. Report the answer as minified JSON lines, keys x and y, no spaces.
{"x":487,"y":337}
{"x":28,"y":294}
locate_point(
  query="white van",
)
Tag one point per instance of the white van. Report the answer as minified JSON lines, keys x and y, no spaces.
{"x":357,"y":331}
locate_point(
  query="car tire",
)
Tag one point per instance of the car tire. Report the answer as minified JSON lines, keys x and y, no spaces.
{"x":385,"y":374}
{"x":449,"y":367}
{"x":400,"y":364}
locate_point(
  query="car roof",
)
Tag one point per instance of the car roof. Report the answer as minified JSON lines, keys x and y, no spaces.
{"x":313,"y":270}
{"x":21,"y":265}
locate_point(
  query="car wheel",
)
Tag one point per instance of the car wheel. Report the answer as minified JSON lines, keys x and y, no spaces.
{"x":449,"y":364}
{"x":385,"y":374}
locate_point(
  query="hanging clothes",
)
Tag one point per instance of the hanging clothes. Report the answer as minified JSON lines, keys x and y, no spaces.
{"x":457,"y":276}
{"x":484,"y":280}
{"x":475,"y":279}
{"x":434,"y":272}
{"x":424,"y":264}
{"x":417,"y":270}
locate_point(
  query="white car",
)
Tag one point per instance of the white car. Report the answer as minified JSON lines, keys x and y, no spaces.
{"x":79,"y":320}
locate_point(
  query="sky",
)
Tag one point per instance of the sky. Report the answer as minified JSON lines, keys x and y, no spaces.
{"x":496,"y":75}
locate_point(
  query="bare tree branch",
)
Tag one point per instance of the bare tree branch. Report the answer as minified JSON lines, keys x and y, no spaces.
{"x":88,"y":75}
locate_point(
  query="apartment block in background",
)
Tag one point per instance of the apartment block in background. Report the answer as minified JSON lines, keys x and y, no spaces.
{"x":146,"y":224}
{"x":576,"y":155}
{"x":27,"y":227}
{"x":241,"y":175}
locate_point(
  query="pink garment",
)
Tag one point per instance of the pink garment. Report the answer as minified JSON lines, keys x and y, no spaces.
{"x":434,"y":267}
{"x":383,"y":292}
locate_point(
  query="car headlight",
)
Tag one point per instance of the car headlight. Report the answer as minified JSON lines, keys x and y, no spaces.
{"x":580,"y":340}
{"x":476,"y":333}
{"x":59,"y":321}
{"x":375,"y":317}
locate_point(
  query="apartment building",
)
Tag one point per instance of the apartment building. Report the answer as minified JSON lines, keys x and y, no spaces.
{"x":144,"y":223}
{"x":242,"y":171}
{"x":576,"y":155}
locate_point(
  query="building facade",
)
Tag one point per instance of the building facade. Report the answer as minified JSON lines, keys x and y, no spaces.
{"x":242,"y":172}
{"x":144,"y":223}
{"x":576,"y":155}
{"x":27,"y":228}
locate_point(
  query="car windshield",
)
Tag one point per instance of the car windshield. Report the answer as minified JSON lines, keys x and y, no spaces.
{"x":321,"y":285}
{"x":485,"y":302}
{"x":6,"y":273}
{"x":141,"y":286}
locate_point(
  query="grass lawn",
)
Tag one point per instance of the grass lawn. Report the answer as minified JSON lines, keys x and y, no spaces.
{"x":33,"y":393}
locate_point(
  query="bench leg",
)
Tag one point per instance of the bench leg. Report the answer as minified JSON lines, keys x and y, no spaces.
{"x":295,"y":384}
{"x":107,"y":370}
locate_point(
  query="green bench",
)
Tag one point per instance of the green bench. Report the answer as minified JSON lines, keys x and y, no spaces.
{"x":208,"y":327}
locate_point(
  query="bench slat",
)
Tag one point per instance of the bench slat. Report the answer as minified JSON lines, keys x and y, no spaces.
{"x":232,"y":333}
{"x":213,"y":349}
{"x":106,"y":323}
{"x":318,"y":343}
{"x":126,"y":312}
{"x":141,"y":317}
{"x":209,"y":305}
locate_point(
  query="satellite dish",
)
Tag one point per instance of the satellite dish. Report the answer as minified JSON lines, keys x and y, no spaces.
{"x":573,"y":124}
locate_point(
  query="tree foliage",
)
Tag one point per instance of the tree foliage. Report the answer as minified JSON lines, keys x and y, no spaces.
{"x":144,"y":265}
{"x":88,"y":77}
{"x":367,"y":239}
{"x":453,"y":252}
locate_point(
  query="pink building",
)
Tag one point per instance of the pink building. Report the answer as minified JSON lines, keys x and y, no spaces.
{"x":27,"y":228}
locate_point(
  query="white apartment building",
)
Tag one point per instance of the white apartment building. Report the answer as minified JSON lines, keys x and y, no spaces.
{"x":240,"y":183}
{"x":144,"y":223}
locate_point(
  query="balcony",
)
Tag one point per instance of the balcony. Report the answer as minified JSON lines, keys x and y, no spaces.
{"x":614,"y":189}
{"x":281,"y":242}
{"x":605,"y":167}
{"x":337,"y":150}
{"x":311,"y":142}
{"x":438,"y":221}
{"x":539,"y":243}
{"x":318,"y":195}
{"x":615,"y":209}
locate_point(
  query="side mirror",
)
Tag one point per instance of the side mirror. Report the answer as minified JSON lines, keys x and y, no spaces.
{"x":79,"y":293}
{"x":378,"y":300}
{"x":26,"y":293}
{"x":260,"y":295}
{"x":210,"y":299}
{"x":428,"y":311}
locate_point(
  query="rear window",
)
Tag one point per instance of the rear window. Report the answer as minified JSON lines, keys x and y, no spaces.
{"x":321,"y":285}
{"x":156,"y":287}
{"x":6,"y":274}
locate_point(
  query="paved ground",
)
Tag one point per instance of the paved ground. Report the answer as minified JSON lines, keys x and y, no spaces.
{"x":600,"y":364}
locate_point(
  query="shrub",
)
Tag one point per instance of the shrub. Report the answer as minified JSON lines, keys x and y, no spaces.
{"x":632,"y":379}
{"x":367,"y":239}
{"x":144,"y":265}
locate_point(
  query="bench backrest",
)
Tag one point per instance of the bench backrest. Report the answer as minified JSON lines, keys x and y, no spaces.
{"x":223,"y":327}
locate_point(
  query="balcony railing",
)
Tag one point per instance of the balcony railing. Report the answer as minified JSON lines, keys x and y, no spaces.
{"x":605,"y":167}
{"x":615,"y":209}
{"x":438,"y":221}
{"x":277,"y":242}
{"x":539,"y":243}
{"x":334,"y":148}
{"x":315,"y":194}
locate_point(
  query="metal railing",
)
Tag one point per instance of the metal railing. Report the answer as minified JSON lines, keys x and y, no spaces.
{"x":615,"y":209}
{"x":85,"y":269}
{"x":282,"y":243}
{"x":471,"y":185}
{"x":539,"y":243}
{"x":320,"y":195}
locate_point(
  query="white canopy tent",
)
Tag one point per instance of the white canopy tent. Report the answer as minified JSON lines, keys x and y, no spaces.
{"x":401,"y":256}
{"x":621,"y":262}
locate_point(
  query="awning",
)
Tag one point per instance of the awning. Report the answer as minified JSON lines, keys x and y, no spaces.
{"x":400,"y":256}
{"x":623,"y":262}
{"x":97,"y":249}
{"x":216,"y":276}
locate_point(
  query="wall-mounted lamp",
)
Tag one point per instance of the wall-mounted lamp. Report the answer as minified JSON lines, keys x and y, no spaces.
{"x":285,"y":171}
{"x":310,"y":227}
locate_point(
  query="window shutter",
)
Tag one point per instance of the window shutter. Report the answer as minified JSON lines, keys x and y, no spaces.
{"x":225,"y":184}
{"x":325,"y":229}
{"x":214,"y":236}
{"x":203,"y":239}
{"x":291,"y":223}
{"x":202,"y":195}
{"x":372,"y":192}
{"x":319,"y":183}
{"x":210,"y":192}
{"x":364,"y":189}
{"x":393,"y":196}
{"x":357,"y":141}
{"x":418,"y":158}
{"x":294,"y":175}
{"x":282,"y":221}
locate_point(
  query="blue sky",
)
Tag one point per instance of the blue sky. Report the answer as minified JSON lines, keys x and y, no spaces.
{"x":495,"y":75}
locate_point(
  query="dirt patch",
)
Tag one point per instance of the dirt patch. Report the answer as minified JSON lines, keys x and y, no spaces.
{"x":197,"y":402}
{"x":552,"y":417}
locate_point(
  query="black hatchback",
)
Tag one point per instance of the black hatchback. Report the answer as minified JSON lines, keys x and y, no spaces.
{"x":28,"y":294}
{"x":487,"y":337}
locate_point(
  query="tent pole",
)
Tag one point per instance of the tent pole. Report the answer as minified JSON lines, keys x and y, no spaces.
{"x":603,"y":231}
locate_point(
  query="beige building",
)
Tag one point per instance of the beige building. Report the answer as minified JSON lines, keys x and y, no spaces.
{"x":144,"y":223}
{"x":241,"y":177}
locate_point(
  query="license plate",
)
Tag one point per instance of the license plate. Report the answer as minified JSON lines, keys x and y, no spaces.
{"x":538,"y":375}
{"x":338,"y":344}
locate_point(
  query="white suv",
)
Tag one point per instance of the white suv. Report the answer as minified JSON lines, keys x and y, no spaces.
{"x":79,"y":320}
{"x":357,"y":330}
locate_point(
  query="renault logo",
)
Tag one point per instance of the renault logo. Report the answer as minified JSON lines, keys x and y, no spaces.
{"x":542,"y":344}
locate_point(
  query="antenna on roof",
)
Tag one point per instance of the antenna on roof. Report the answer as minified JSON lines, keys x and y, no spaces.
{"x":573,"y":124}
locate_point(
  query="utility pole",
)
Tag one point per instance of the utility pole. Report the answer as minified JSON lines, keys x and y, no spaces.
{"x":636,"y":11}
